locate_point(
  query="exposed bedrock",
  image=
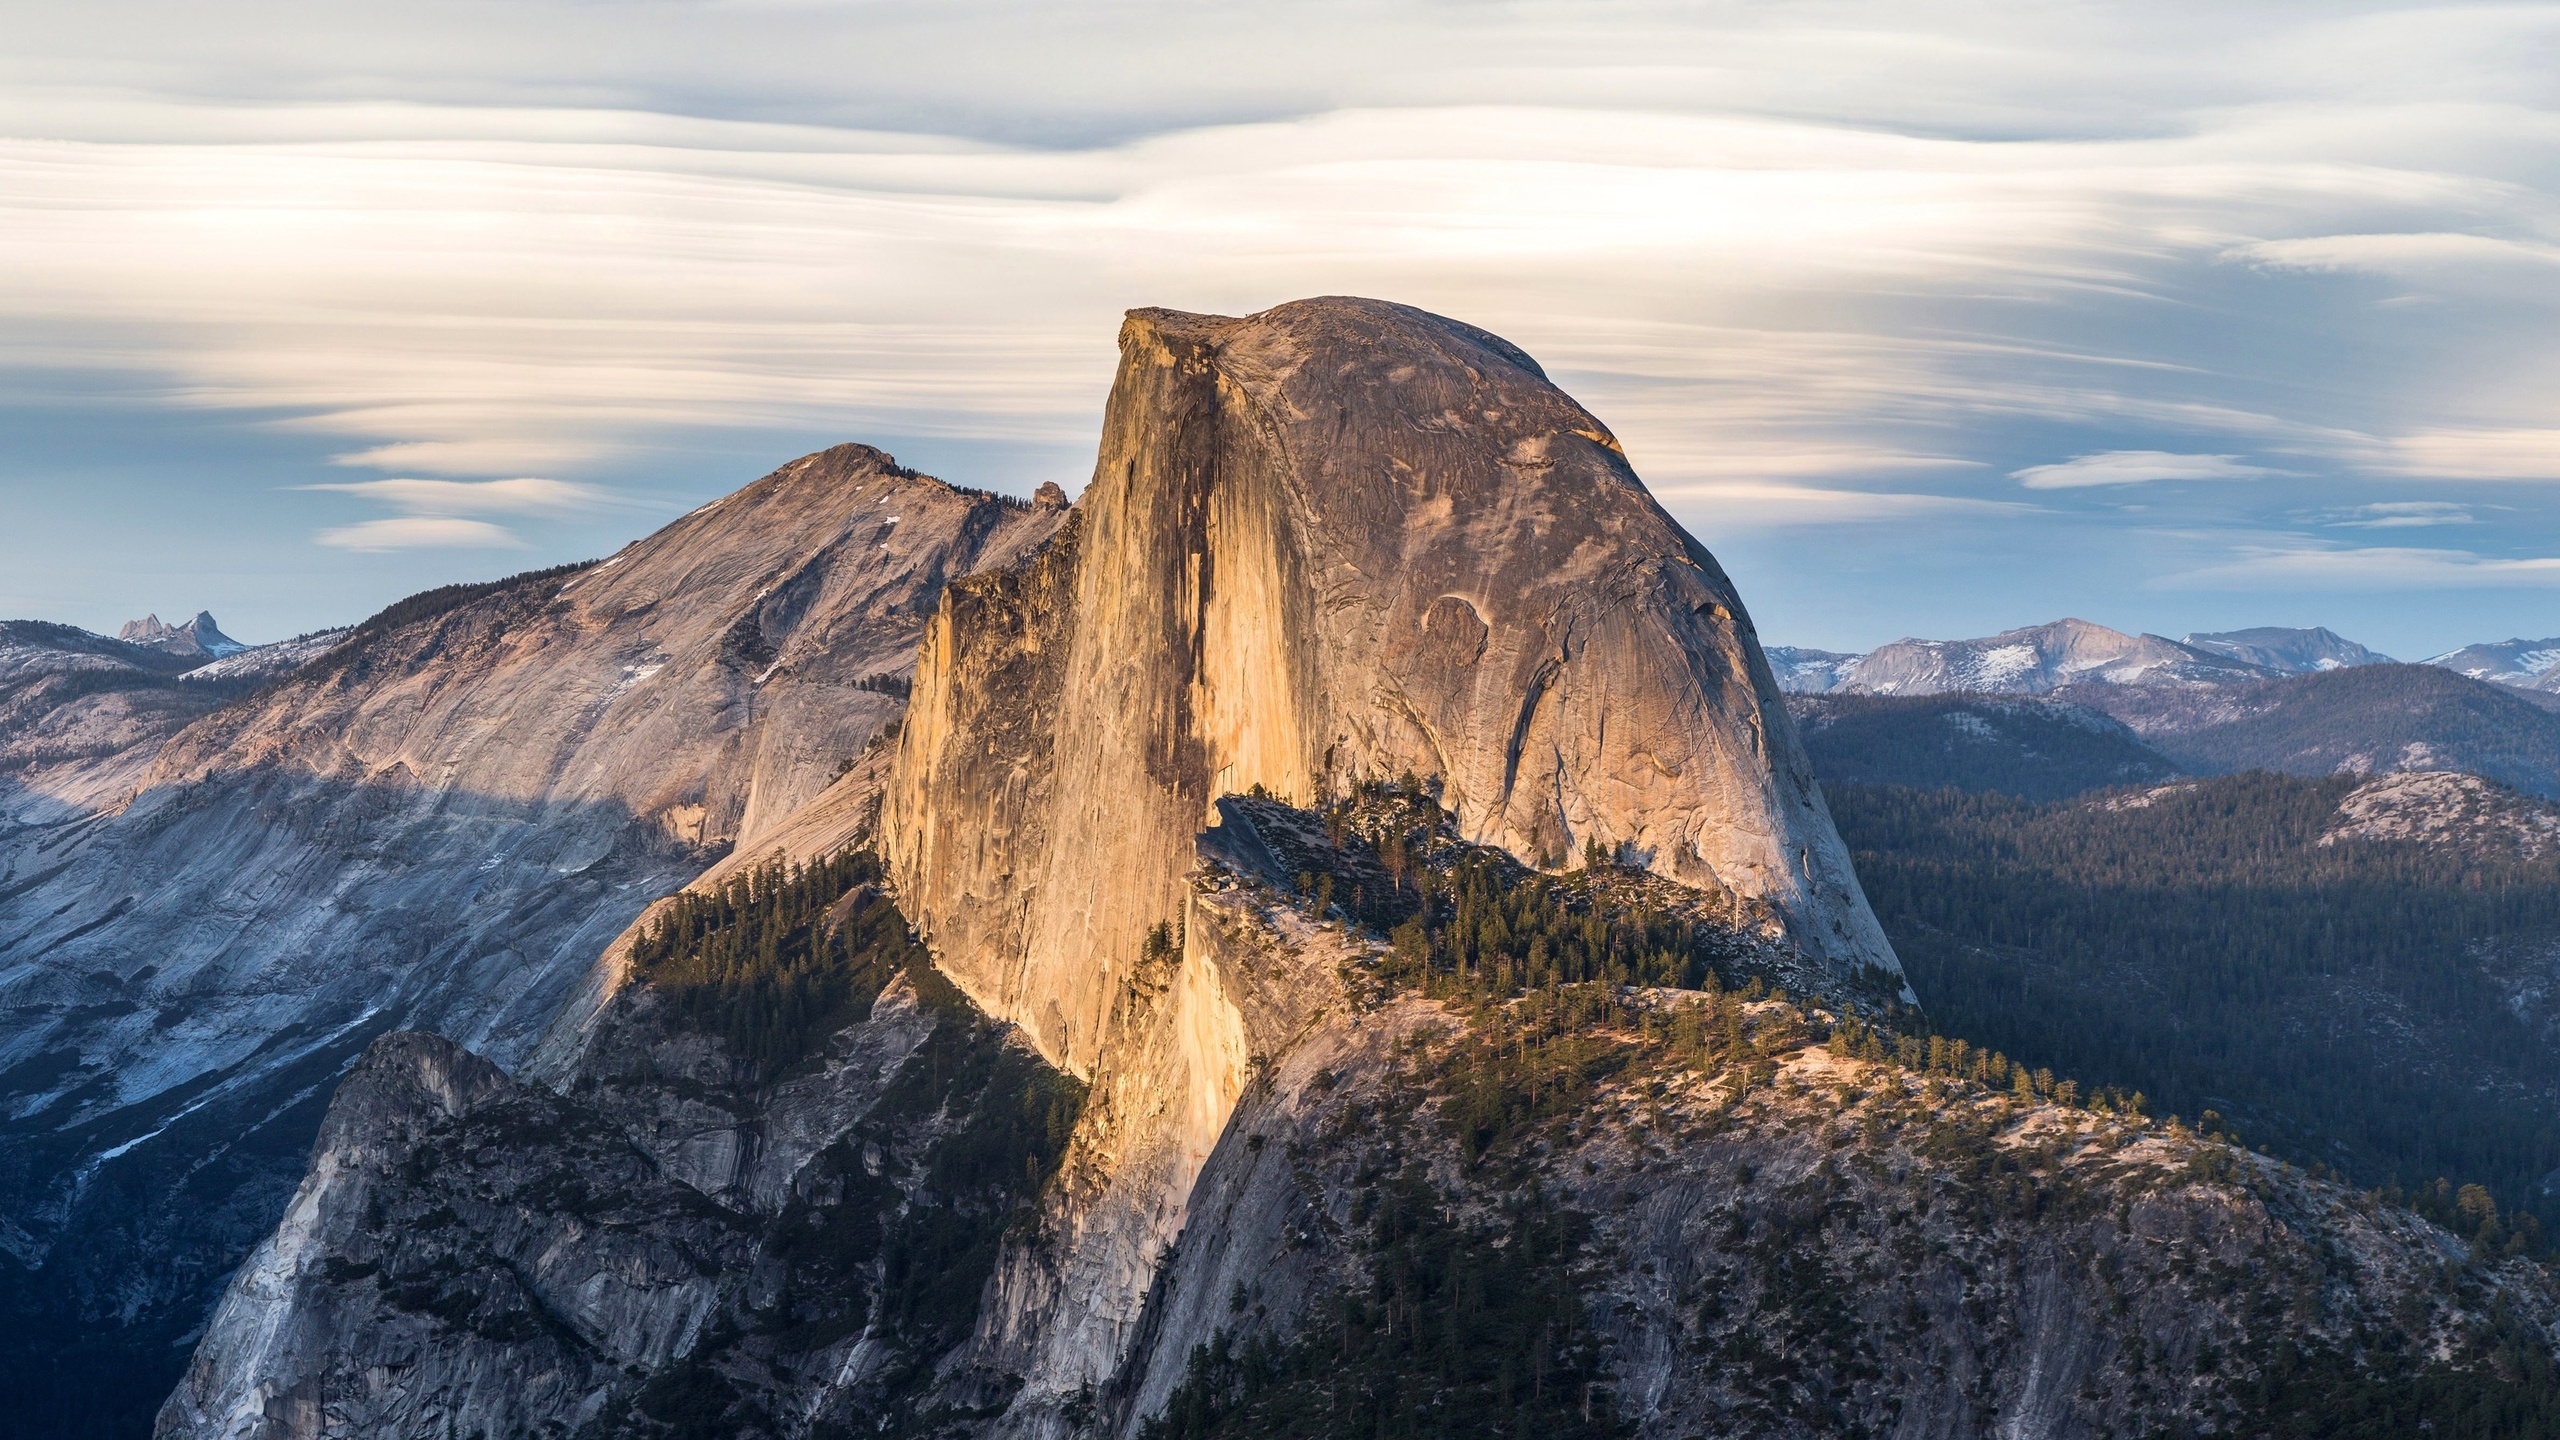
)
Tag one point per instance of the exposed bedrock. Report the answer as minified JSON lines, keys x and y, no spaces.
{"x":1338,"y":539}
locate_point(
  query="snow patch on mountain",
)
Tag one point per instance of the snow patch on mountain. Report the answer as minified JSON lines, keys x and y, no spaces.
{"x":2523,"y":664}
{"x":268,"y":662}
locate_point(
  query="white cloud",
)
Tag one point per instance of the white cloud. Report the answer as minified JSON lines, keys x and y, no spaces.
{"x":2399,"y":254}
{"x":2401,"y":515}
{"x":2474,"y":454}
{"x":1808,"y":263}
{"x":471,"y":290}
{"x":420,"y":532}
{"x":2135,"y":467}
{"x":2367,"y":568}
{"x":475,"y":497}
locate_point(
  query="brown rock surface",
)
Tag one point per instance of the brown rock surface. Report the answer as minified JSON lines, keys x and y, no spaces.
{"x":1337,"y":539}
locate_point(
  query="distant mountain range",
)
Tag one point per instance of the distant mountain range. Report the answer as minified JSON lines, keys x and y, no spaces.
{"x":2041,"y":659}
{"x":2357,"y":719}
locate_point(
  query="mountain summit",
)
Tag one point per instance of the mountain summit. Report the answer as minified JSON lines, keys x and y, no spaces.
{"x":199,"y":637}
{"x":2293,"y":652}
{"x":437,"y":823}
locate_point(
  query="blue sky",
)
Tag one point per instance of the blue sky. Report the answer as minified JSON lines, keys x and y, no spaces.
{"x":1929,"y":318}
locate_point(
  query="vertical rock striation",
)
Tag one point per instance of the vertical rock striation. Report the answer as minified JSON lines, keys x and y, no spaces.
{"x":1337,"y":539}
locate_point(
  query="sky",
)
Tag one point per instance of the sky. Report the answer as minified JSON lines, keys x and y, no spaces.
{"x":1928,"y":318}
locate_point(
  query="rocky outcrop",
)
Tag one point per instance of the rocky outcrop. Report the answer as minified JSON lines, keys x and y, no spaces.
{"x":672,"y":1244}
{"x":437,"y":824}
{"x":1841,"y":1247}
{"x":1334,"y":540}
{"x":2449,"y":808}
{"x":199,"y":640}
{"x":1197,"y":1026}
{"x":432,"y":1275}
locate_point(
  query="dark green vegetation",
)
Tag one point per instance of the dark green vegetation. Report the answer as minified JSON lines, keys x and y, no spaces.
{"x":2504,"y":1389}
{"x":779,"y":957}
{"x":1469,"y":924}
{"x":895,"y":1227}
{"x":423,"y":613}
{"x":444,"y":599}
{"x":1464,"y":1329}
{"x":2207,"y":950}
{"x":2033,"y":748}
{"x":1946,"y":1177}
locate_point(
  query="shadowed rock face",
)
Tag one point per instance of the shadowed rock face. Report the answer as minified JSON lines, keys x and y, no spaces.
{"x":437,"y":824}
{"x":1338,"y":539}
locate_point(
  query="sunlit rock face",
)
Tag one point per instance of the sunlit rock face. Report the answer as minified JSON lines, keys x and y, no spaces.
{"x":1338,"y":539}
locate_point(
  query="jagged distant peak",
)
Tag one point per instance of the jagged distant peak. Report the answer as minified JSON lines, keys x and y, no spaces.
{"x":2522,"y":664}
{"x":2293,"y":650}
{"x":200,"y":636}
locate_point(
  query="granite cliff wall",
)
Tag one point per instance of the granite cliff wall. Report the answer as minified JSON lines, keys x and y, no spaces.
{"x":1338,"y":539}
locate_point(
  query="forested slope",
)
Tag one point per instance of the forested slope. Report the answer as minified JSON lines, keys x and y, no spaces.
{"x":2381,"y":1006}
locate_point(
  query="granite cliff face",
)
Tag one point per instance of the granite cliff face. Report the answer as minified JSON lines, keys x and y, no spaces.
{"x":1335,"y":540}
{"x":438,"y":823}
